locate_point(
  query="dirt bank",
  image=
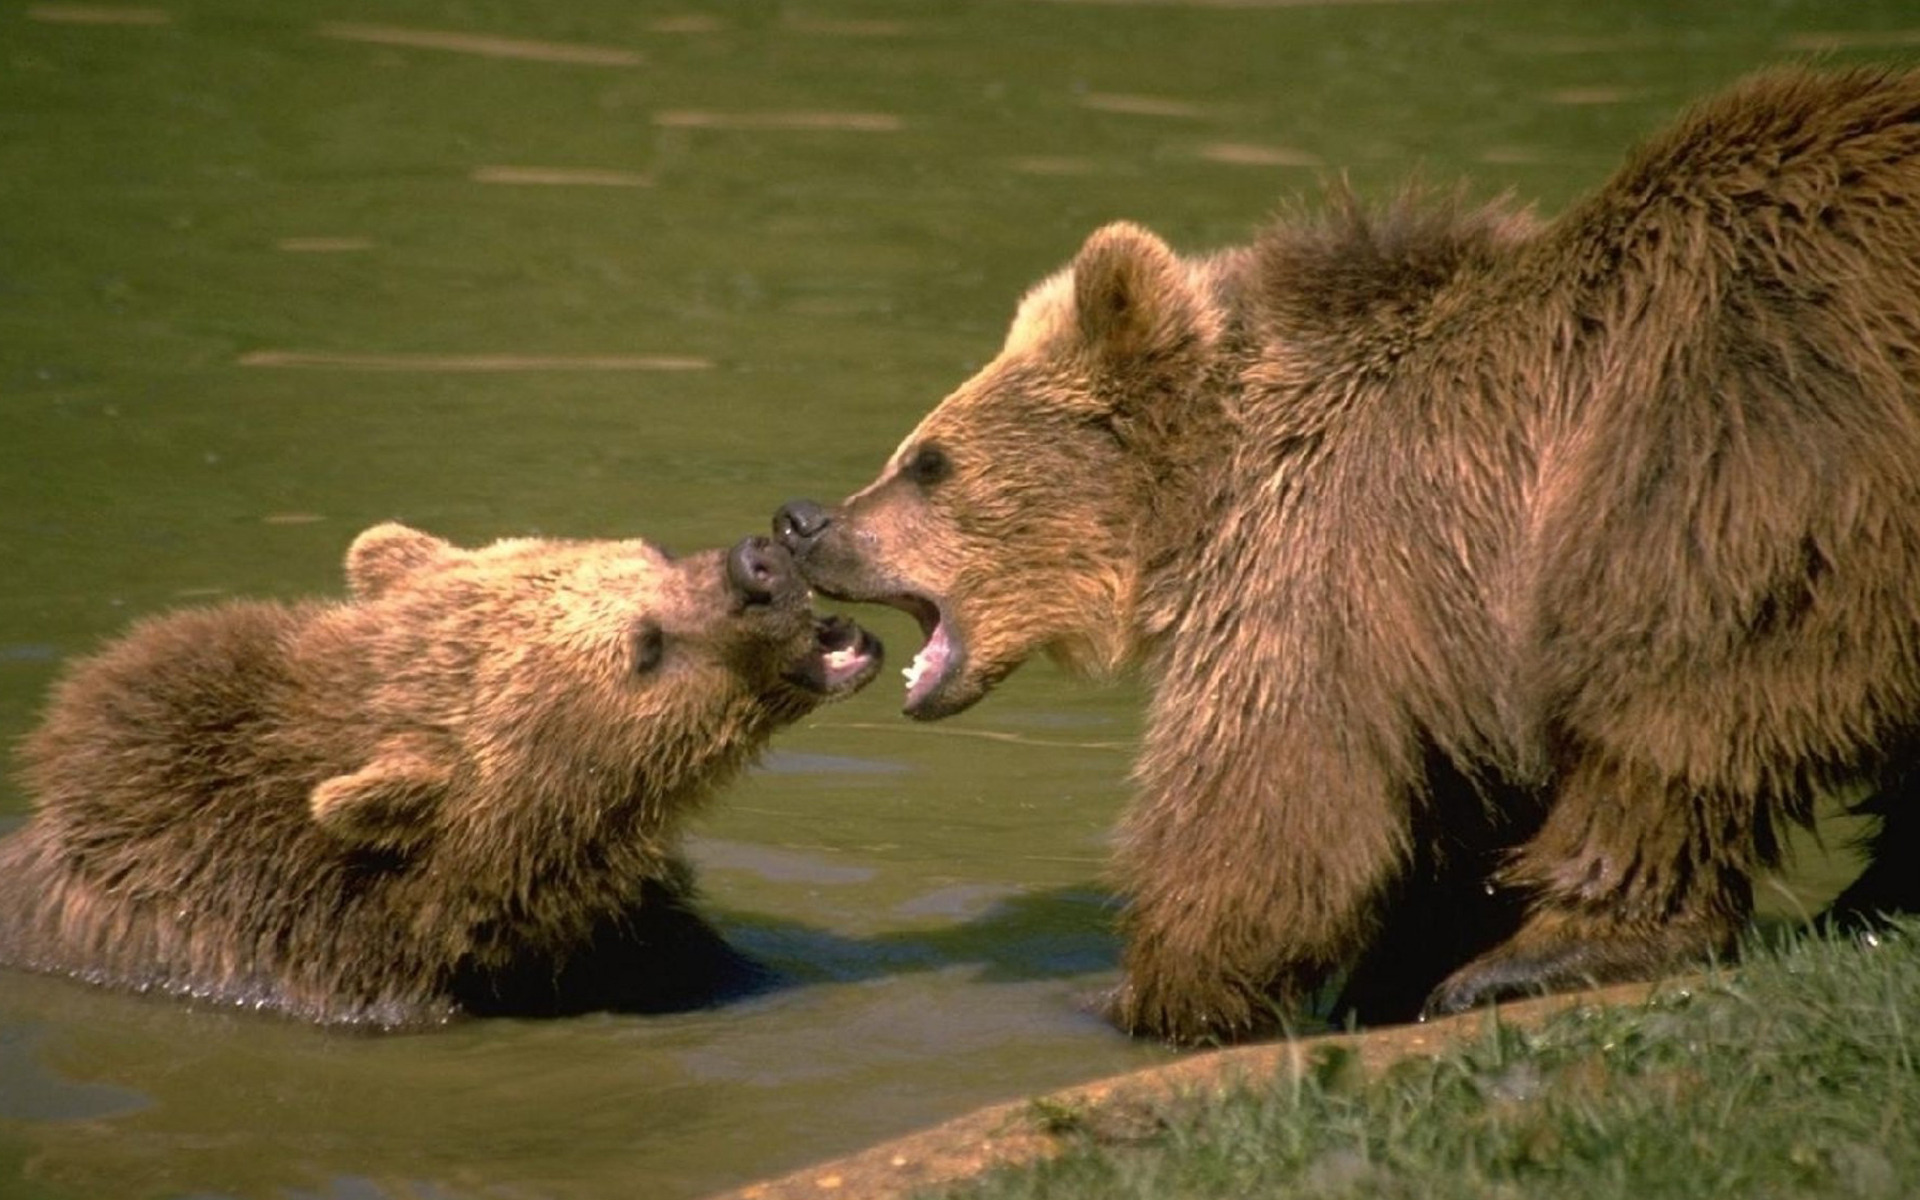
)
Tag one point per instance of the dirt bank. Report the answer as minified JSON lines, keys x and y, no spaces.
{"x":1123,"y":1106}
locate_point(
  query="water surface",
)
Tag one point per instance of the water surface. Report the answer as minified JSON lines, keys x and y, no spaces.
{"x":270,"y":274}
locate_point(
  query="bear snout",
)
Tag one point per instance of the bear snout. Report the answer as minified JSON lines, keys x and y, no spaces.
{"x":799,"y":524}
{"x":760,"y":571}
{"x":822,"y":543}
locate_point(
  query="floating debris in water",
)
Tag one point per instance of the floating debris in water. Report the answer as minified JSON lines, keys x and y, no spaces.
{"x":1241,"y":154}
{"x":560,"y":177}
{"x":485,"y":45}
{"x":323,"y":245}
{"x":1060,"y":165}
{"x":854,"y":122}
{"x":1141,"y":106}
{"x":94,"y":14}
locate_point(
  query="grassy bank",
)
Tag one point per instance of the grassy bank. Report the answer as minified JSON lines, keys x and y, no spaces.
{"x":1795,"y":1075}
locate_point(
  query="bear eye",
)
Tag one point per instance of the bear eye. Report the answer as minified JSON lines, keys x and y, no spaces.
{"x":928,"y":466}
{"x":646,"y":646}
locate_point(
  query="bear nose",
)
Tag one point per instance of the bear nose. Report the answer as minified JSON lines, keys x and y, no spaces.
{"x":799,"y":523}
{"x":758,"y":569}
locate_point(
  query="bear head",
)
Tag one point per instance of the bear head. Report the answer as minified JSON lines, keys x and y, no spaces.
{"x":1019,"y":516}
{"x":591,"y":689}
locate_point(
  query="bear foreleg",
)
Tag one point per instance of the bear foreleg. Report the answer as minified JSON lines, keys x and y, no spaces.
{"x":1252,"y":879}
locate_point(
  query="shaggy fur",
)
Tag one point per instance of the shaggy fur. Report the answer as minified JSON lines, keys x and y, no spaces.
{"x":460,"y":790}
{"x":1564,"y":562}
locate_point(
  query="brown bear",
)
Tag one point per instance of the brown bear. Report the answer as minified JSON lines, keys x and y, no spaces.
{"x":1480,"y":564}
{"x":458,"y":791}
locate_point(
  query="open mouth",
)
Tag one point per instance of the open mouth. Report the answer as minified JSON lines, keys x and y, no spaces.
{"x":844,"y":657}
{"x":939,"y":658}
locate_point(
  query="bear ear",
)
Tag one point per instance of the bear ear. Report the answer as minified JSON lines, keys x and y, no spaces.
{"x":391,"y":803}
{"x":386,"y":554}
{"x":1132,"y":295}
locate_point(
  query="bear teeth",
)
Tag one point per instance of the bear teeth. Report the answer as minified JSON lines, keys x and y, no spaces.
{"x":929,"y":664}
{"x":843,"y":659}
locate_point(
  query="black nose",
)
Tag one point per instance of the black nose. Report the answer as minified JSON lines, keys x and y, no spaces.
{"x":758,"y":569}
{"x":799,"y":523}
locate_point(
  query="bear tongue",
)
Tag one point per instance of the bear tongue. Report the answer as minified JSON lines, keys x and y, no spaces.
{"x":929,"y":666}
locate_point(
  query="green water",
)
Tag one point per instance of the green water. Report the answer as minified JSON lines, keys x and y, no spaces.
{"x":272,"y":273}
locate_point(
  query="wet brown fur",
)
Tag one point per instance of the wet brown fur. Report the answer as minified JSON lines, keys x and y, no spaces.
{"x":1577,"y":556}
{"x":461,"y":790}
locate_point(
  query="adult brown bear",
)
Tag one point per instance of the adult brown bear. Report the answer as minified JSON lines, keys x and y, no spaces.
{"x":1564,"y":561}
{"x":460,"y":791}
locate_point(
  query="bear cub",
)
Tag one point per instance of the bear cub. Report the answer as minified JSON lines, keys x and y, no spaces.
{"x":459,"y":790}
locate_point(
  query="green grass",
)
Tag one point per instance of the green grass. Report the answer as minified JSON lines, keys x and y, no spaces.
{"x":1795,"y":1075}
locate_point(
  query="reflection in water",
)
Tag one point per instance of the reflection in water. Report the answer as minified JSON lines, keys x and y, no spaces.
{"x":274,"y":275}
{"x":1017,"y":937}
{"x":797,"y":762}
{"x":49,"y":1097}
